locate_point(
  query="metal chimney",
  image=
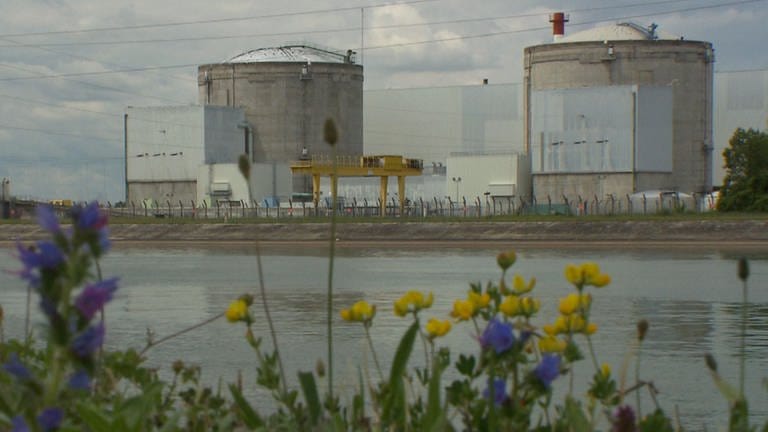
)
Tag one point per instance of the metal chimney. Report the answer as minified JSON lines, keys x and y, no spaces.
{"x":558,"y":20}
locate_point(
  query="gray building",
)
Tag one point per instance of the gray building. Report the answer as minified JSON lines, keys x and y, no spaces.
{"x":619,"y":109}
{"x":166,"y":146}
{"x":287,"y":94}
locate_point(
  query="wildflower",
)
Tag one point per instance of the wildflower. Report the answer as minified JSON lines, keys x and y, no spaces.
{"x":47,"y":219}
{"x":479,"y":301}
{"x":412,"y":301}
{"x":574,"y":302}
{"x":586,"y":274}
{"x":548,"y":369}
{"x":522,"y":287}
{"x":590,"y":329}
{"x":16,"y":368}
{"x":360,"y":311}
{"x":18,"y":424}
{"x":88,"y":341}
{"x":551,"y":344}
{"x":510,"y":306}
{"x":605,"y":370}
{"x":499,"y":388}
{"x":642,"y":329}
{"x":498,"y":335}
{"x":623,"y":419}
{"x":79,"y":381}
{"x":44,"y":255}
{"x":94,"y":297}
{"x":463,"y":310}
{"x":529,"y":306}
{"x":89,"y":217}
{"x":50,"y":419}
{"x":506,"y":259}
{"x":237,"y":311}
{"x":436,"y":328}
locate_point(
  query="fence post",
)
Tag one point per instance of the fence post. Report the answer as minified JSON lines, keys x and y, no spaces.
{"x":144,"y":203}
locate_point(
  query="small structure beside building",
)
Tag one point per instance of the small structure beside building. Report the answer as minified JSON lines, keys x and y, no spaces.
{"x":498,"y":179}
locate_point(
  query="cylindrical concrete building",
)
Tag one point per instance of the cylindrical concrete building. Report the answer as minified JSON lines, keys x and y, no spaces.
{"x":616,"y":110}
{"x":287,"y":93}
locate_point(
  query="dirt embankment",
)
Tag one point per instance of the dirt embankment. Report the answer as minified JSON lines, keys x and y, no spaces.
{"x":709,"y":231}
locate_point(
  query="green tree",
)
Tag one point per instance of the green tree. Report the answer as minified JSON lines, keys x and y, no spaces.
{"x":745,"y":187}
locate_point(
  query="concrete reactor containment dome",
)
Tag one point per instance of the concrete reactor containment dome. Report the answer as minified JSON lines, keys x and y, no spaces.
{"x":616,"y":110}
{"x":287,"y":93}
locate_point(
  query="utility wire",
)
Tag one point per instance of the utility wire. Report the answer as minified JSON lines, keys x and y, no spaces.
{"x":215,"y":20}
{"x":323,"y":31}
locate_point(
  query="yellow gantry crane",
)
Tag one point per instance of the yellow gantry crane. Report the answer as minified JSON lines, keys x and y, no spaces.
{"x":360,"y":166}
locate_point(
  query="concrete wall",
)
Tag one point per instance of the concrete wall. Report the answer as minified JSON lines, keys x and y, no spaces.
{"x":473,"y":176}
{"x":431,"y":123}
{"x":267,"y":180}
{"x":686,"y":66}
{"x":161,"y":192}
{"x":287,"y":110}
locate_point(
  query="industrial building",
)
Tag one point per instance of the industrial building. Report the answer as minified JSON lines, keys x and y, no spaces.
{"x":287,"y":93}
{"x":618,"y":109}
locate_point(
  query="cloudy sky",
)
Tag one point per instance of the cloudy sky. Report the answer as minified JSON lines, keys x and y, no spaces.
{"x":68,"y":68}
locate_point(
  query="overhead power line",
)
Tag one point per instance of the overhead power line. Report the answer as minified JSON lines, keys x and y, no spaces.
{"x":215,"y":20}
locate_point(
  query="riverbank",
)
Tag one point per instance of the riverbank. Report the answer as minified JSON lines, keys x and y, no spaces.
{"x":570,"y":231}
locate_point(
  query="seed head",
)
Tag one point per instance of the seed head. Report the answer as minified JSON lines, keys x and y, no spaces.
{"x":642,"y":329}
{"x":711,"y":363}
{"x":743,"y":269}
{"x":330,"y":134}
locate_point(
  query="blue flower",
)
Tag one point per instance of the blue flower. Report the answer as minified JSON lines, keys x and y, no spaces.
{"x":79,"y":381}
{"x":548,"y":369}
{"x":87,"y":342}
{"x":47,"y":219}
{"x":499,"y":388}
{"x":95,"y":296}
{"x":19,"y":425}
{"x":89,"y":217}
{"x":16,"y":368}
{"x":498,"y":335}
{"x":50,"y":419}
{"x":44,"y":255}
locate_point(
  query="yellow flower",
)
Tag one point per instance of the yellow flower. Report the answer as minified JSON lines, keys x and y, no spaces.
{"x":591,"y":329}
{"x":412,"y":301}
{"x":529,"y":306}
{"x":510,"y":306}
{"x":569,"y":304}
{"x":605,"y":370}
{"x":479,"y":301}
{"x":551,"y":344}
{"x":520,"y":286}
{"x":586,"y":274}
{"x":462,"y":310}
{"x":237,"y":311}
{"x":361,"y":311}
{"x":437,"y":328}
{"x":506,"y":259}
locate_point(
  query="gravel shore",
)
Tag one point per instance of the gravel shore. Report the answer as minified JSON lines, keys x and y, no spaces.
{"x":571,"y":231}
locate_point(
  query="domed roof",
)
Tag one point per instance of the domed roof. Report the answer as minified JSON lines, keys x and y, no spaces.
{"x":291,"y":53}
{"x":619,"y":31}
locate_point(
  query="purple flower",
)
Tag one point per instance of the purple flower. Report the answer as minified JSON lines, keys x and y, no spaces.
{"x":50,"y":419}
{"x":89,"y":217}
{"x":623,"y":419}
{"x":16,"y":368}
{"x":47,"y":219}
{"x":95,"y":296}
{"x":88,"y":341}
{"x":499,"y":388}
{"x":79,"y":380}
{"x":19,"y":425}
{"x":548,"y":369}
{"x":498,"y":335}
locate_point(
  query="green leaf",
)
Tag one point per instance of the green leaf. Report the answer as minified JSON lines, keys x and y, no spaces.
{"x":249,"y":415}
{"x":575,"y":417}
{"x":434,"y":418}
{"x":309,"y":387}
{"x":93,"y":417}
{"x":394,"y":403}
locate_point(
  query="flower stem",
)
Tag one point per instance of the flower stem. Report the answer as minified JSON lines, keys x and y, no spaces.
{"x":373,"y":352}
{"x":743,"y":354}
{"x":331,"y":257}
{"x":152,"y":344}
{"x":592,"y":353}
{"x":269,"y":317}
{"x":638,"y":408}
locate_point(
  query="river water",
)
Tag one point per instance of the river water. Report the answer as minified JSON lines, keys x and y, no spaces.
{"x":691,"y":297}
